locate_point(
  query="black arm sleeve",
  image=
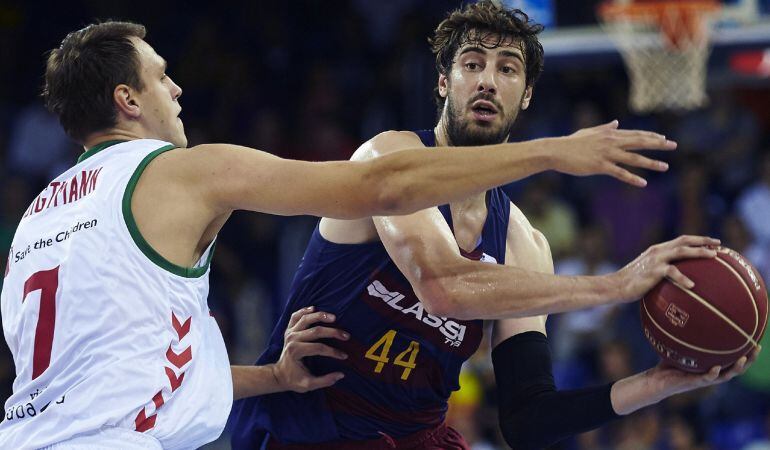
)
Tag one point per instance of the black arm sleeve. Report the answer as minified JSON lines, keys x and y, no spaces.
{"x":533,"y":414}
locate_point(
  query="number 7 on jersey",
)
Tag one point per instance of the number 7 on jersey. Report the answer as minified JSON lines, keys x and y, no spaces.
{"x":47,"y":282}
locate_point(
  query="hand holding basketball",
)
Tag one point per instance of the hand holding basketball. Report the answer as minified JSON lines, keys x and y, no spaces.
{"x":673,"y":381}
{"x":714,"y":323}
{"x":656,"y":263}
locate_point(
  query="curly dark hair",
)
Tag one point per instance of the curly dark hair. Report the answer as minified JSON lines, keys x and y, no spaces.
{"x":82,"y":73}
{"x":478,"y":22}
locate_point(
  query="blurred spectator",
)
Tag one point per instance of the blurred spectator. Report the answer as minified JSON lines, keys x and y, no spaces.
{"x":763,"y":442}
{"x":726,"y":135}
{"x":681,"y":434}
{"x":550,"y":215}
{"x":638,"y":431}
{"x":754,"y":202}
{"x":579,"y":333}
{"x":633,"y":217}
{"x":310,"y":80}
{"x":736,"y":236}
{"x":38,"y":146}
{"x":696,"y":204}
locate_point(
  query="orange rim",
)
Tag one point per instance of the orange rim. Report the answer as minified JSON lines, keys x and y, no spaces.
{"x":611,"y":10}
{"x":685,"y":28}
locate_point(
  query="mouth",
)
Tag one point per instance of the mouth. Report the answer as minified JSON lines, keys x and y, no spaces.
{"x":484,"y":110}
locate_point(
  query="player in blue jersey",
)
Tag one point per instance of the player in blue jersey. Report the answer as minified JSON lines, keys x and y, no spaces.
{"x":411,"y":290}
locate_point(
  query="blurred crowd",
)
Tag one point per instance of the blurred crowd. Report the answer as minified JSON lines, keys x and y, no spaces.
{"x":313,"y":80}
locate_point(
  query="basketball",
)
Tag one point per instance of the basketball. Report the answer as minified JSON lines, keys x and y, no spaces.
{"x":721,"y":319}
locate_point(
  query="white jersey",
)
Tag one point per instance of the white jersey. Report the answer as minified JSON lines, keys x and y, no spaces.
{"x":106,"y":333}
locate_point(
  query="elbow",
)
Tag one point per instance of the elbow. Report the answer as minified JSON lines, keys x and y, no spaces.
{"x":390,"y":199}
{"x":439,"y":298}
{"x":518,"y":436}
{"x":391,"y":193}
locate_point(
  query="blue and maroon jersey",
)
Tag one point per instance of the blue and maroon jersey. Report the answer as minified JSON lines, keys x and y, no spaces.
{"x":403,"y":363}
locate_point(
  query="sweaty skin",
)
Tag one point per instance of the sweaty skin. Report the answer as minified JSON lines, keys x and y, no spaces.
{"x":184,"y":196}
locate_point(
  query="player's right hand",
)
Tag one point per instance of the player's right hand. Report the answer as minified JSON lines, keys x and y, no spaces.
{"x":649,"y":268}
{"x":601,"y":150}
{"x":300,"y":341}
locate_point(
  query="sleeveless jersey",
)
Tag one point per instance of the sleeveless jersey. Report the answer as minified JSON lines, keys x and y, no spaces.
{"x":106,"y":333}
{"x":403,"y":363}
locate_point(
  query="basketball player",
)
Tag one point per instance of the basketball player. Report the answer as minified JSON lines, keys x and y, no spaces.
{"x":410,"y":289}
{"x":104,"y":299}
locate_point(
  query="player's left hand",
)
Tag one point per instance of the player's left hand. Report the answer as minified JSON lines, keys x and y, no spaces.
{"x":675,"y":381}
{"x":299,"y":342}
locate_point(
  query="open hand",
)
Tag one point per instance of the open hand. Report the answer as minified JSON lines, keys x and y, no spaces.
{"x":299,"y":342}
{"x":600,"y":150}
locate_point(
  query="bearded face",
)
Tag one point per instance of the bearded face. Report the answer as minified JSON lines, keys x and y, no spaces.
{"x":482,"y":120}
{"x":484,"y":92}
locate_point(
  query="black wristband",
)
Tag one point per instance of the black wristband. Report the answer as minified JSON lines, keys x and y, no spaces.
{"x":533,"y":414}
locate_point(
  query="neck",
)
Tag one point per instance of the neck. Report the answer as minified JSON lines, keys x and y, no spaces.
{"x":109,"y":135}
{"x":443,"y":140}
{"x":442,"y":137}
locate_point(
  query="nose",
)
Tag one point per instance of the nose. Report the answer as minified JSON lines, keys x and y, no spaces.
{"x":176,"y":91}
{"x":487,"y":80}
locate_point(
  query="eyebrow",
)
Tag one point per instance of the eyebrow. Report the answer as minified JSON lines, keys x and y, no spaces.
{"x":503,"y":53}
{"x":165,"y":64}
{"x":510,"y":54}
{"x":473,"y":49}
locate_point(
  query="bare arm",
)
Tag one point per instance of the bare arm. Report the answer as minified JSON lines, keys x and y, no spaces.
{"x":423,"y":248}
{"x":184,"y":196}
{"x":230,"y":177}
{"x":533,"y":413}
{"x":526,"y":248}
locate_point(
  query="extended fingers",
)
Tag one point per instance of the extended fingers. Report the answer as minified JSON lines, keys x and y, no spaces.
{"x":643,"y":162}
{"x":712,"y":375}
{"x":736,"y":369}
{"x":695,"y":240}
{"x":686,"y":252}
{"x":754,"y":354}
{"x":675,"y":275}
{"x":625,"y":176}
{"x":639,"y":140}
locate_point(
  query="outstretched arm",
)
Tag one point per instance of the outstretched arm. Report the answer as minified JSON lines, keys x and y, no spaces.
{"x":424,"y":249}
{"x":229,"y":177}
{"x":533,"y":413}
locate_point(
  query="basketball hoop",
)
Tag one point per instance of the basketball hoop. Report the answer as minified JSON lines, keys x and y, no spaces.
{"x":665,"y":45}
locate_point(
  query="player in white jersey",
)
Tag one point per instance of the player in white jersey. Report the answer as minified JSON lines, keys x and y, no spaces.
{"x":104,"y":298}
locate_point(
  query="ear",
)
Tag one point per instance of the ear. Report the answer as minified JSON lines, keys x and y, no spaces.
{"x":443,"y":88}
{"x":526,"y":98}
{"x":125,"y":101}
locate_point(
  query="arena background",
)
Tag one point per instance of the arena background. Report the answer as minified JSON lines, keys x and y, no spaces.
{"x":314,"y":79}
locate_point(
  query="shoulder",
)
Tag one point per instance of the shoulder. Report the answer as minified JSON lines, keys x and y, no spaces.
{"x":387,"y":142}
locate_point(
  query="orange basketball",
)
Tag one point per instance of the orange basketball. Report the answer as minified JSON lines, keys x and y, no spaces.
{"x":721,"y":319}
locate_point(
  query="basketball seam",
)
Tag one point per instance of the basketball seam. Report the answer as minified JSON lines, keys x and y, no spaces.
{"x":720,"y":314}
{"x":748,"y":290}
{"x":687,"y":344}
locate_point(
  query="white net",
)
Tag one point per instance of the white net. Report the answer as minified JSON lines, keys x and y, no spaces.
{"x":665,"y":50}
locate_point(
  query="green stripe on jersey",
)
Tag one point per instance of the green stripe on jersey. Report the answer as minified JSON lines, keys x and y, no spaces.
{"x":136,"y":235}
{"x":97,"y":148}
